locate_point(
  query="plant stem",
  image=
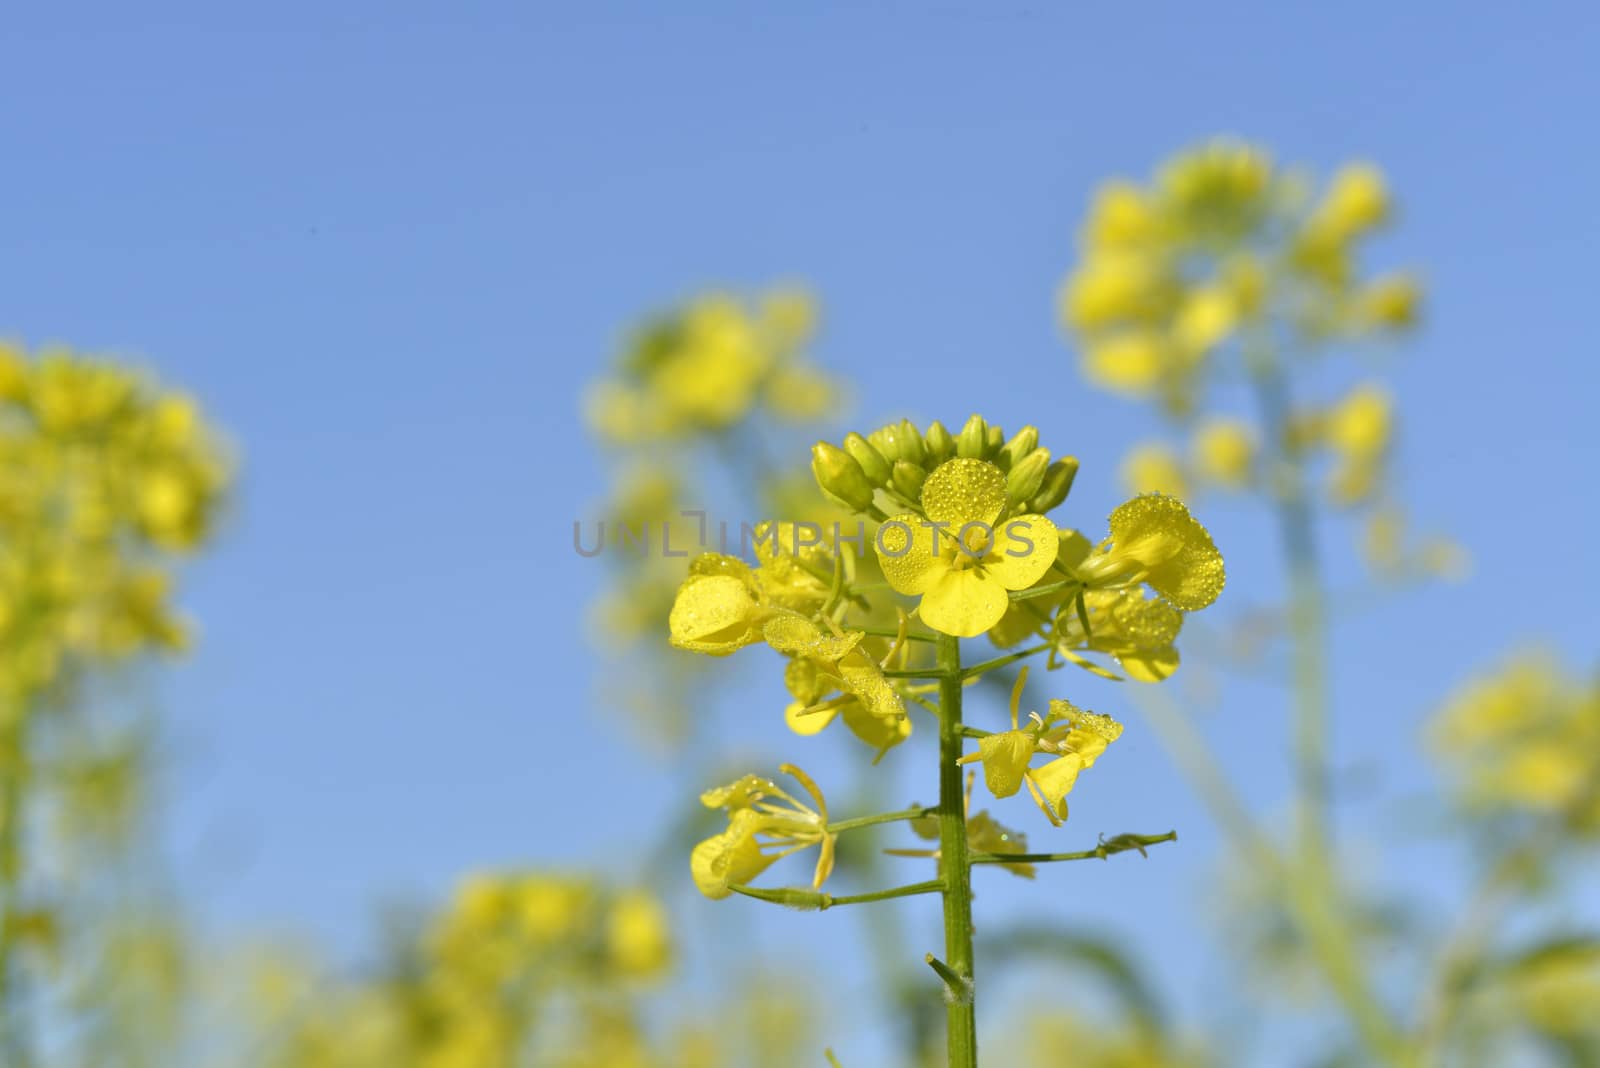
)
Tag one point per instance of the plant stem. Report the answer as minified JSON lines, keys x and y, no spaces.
{"x":14,"y":767}
{"x":812,"y":899}
{"x":1125,"y":843}
{"x":1314,"y":895}
{"x":1001,"y":661}
{"x":960,"y":1016}
{"x":882,"y":817}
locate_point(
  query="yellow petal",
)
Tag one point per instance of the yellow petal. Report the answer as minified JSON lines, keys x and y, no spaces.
{"x":1150,"y":665}
{"x":799,"y":636}
{"x":964,"y":603}
{"x":864,"y":678}
{"x":713,"y":614}
{"x":729,"y":858}
{"x":879,"y":732}
{"x":1056,"y":779}
{"x":1005,"y":760}
{"x":964,"y":491}
{"x":741,"y":793}
{"x":810,"y":723}
{"x":1024,"y":548}
{"x":1186,"y":568}
{"x":905,"y":551}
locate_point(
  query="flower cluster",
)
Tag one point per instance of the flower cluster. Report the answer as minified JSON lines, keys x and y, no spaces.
{"x":1220,"y":243}
{"x":709,"y":365}
{"x":510,"y":949}
{"x":957,"y":527}
{"x":1224,"y":268}
{"x":1525,"y":739}
{"x":103,"y":481}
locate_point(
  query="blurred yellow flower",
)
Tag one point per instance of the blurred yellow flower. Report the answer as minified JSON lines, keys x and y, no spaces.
{"x":1152,"y":467}
{"x":1224,"y":451}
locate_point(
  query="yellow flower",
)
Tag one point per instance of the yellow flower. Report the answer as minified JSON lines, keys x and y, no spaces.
{"x":638,"y":934}
{"x":1128,"y":361}
{"x":870,"y":705}
{"x":1074,"y":737}
{"x":719,"y":608}
{"x":1356,"y":201}
{"x":1205,"y":318}
{"x":765,"y":824}
{"x":1154,"y":468}
{"x":1156,"y":541}
{"x":1390,"y":302}
{"x":1121,"y":215}
{"x":1112,"y":288}
{"x":1136,"y":630}
{"x":955,"y":557}
{"x":1224,"y":452}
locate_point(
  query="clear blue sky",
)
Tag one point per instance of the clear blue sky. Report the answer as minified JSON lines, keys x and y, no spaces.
{"x":387,"y":246}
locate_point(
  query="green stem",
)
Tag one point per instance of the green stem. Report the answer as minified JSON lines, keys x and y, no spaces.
{"x":961,"y":1028}
{"x":1306,"y":627}
{"x":1122,"y":843}
{"x":1001,"y":661}
{"x":881,"y":817}
{"x":14,"y":768}
{"x":1313,"y":892}
{"x":812,"y":899}
{"x":1045,"y":590}
{"x":891,"y":632}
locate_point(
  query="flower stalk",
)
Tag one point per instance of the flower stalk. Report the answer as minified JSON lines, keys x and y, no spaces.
{"x":960,"y":1015}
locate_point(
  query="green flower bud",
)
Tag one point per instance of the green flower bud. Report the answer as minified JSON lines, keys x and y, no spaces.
{"x":908,"y":479}
{"x":992,"y":442}
{"x":886,"y":439}
{"x":840,"y":477}
{"x":1026,"y":476}
{"x":973,"y":438}
{"x":941,"y":446}
{"x":912,"y":447}
{"x":1057,"y":483}
{"x":871,"y":460}
{"x":1021,"y":444}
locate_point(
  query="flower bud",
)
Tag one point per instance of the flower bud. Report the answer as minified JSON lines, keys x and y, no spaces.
{"x":1026,"y":476}
{"x":886,"y":439}
{"x":908,"y":479}
{"x":873,"y":465}
{"x":1021,"y":444}
{"x":840,"y":476}
{"x":1055,"y":485}
{"x":995,"y":438}
{"x":941,"y":446}
{"x":973,"y":438}
{"x":912,"y":447}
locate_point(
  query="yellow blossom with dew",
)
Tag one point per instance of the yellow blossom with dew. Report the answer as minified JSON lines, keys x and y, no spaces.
{"x":1075,"y":739}
{"x":765,"y":824}
{"x":963,"y":576}
{"x":821,"y":663}
{"x":1154,"y":540}
{"x":1139,"y":632}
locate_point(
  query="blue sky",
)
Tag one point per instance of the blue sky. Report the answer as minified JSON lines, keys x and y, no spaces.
{"x":388,"y":246}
